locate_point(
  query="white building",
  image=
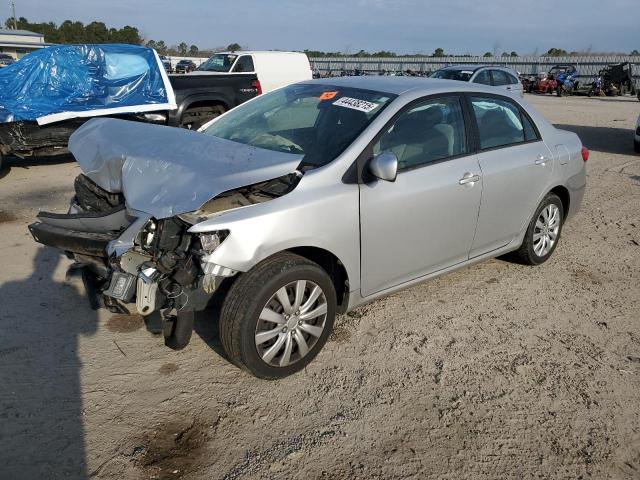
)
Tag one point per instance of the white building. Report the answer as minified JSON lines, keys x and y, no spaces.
{"x":18,"y":43}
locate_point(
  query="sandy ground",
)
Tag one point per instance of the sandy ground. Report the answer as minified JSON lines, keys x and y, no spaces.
{"x":496,"y":371}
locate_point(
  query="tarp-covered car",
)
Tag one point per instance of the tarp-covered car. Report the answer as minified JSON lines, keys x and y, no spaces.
{"x":50,"y":92}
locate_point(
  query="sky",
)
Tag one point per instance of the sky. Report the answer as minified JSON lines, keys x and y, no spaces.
{"x":403,"y":26}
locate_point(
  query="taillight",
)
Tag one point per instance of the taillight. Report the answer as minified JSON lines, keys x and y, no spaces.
{"x":256,"y":84}
{"x":585,"y":154}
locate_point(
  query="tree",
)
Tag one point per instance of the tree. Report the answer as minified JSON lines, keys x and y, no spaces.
{"x":234,"y":47}
{"x":634,"y":52}
{"x":513,"y":54}
{"x":488,"y":54}
{"x":438,"y":52}
{"x":556,"y":52}
{"x":182,"y":49}
{"x":96,"y":32}
{"x":193,"y":50}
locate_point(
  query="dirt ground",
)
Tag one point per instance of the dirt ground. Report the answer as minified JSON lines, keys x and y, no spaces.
{"x":496,"y":371}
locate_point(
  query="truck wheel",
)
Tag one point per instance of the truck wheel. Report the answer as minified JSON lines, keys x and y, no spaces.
{"x":195,"y":117}
{"x":277,"y":317}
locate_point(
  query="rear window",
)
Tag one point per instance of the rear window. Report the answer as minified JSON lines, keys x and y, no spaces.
{"x":462,"y":75}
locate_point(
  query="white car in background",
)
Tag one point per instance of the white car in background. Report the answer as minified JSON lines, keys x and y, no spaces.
{"x":499,"y":77}
{"x":274,"y":69}
{"x":636,"y":138}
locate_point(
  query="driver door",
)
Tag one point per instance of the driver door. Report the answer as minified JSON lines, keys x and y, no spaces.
{"x":425,"y":220}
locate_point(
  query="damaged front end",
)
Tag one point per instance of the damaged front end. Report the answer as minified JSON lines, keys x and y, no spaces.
{"x":137,"y":263}
{"x":128,"y":224}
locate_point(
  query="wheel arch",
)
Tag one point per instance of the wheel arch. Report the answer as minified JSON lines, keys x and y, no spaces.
{"x":563,"y":192}
{"x":331,"y":264}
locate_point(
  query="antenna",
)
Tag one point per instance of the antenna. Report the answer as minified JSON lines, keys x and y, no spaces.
{"x":13,"y":8}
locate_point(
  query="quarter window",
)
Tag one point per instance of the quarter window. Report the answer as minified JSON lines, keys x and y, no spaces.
{"x":500,"y":78}
{"x":431,"y":131}
{"x":499,"y":122}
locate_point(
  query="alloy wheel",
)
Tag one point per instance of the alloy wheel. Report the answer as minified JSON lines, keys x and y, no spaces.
{"x":291,"y":323}
{"x":546,"y":230}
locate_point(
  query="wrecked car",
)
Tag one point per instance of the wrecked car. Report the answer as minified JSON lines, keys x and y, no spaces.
{"x":309,"y":201}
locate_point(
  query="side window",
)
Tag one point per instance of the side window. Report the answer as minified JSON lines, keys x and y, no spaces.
{"x":244,"y":64}
{"x":500,"y":78}
{"x":483,"y":77}
{"x":430,"y":131}
{"x":513,"y":79}
{"x":499,"y":122}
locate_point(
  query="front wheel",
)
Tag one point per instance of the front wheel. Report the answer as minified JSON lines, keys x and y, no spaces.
{"x":543,"y":233}
{"x":277,"y":317}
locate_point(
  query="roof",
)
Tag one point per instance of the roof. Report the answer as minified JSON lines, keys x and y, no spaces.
{"x":24,"y":33}
{"x":398,"y":85}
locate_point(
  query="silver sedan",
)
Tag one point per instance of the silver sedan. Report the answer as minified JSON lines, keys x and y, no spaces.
{"x":310,"y":201}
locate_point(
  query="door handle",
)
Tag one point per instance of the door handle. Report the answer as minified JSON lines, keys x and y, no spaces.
{"x":541,"y":160}
{"x":469,"y":178}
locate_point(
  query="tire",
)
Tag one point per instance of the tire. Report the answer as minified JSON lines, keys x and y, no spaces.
{"x":195,"y":117}
{"x":636,"y":146}
{"x":255,"y":292}
{"x":527,"y":254}
{"x":559,"y":91}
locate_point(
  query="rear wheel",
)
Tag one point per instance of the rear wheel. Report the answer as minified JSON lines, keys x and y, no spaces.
{"x":276,"y":318}
{"x":543,"y":233}
{"x":195,"y":117}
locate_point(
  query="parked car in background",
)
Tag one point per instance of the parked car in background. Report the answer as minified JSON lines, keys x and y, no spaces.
{"x":499,"y":77}
{"x":6,"y":60}
{"x":273,"y":69}
{"x":185,"y":66}
{"x":312,"y":200}
{"x":166,"y":63}
{"x":544,"y":83}
{"x":636,"y":138}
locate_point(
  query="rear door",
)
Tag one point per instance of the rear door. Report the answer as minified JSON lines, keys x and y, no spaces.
{"x":426,"y":219}
{"x":516,"y":169}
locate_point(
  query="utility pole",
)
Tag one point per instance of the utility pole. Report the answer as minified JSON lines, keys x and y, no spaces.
{"x":15,"y":22}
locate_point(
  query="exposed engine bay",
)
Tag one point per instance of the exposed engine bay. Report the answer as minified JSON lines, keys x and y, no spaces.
{"x":142,"y":264}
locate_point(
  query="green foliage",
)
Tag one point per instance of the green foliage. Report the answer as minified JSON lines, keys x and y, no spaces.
{"x":488,"y":54}
{"x":556,"y":52}
{"x":234,"y":47}
{"x":439,"y":52}
{"x":76,"y":32}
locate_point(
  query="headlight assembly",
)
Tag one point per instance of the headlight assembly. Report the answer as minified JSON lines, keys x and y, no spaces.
{"x":212,"y":240}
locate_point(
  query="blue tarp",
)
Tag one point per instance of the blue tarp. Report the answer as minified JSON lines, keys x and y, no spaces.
{"x":67,"y":81}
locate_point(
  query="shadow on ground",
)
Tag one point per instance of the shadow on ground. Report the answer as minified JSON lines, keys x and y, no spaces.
{"x":41,"y":414}
{"x":9,"y":163}
{"x":603,"y":139}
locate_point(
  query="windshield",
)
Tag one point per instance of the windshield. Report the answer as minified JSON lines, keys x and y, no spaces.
{"x":462,"y":75}
{"x":317,"y":121}
{"x":221,"y":62}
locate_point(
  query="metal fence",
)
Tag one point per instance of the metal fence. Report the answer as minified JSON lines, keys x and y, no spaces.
{"x":588,"y":66}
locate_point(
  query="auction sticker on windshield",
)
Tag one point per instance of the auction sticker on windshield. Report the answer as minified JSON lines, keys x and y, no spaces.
{"x":356,"y":104}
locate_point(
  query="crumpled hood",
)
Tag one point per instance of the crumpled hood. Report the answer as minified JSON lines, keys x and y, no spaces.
{"x":166,"y":171}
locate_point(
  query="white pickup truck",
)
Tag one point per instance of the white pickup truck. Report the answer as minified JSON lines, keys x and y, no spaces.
{"x":273,"y":69}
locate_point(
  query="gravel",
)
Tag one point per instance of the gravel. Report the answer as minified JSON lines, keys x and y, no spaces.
{"x":495,"y":371}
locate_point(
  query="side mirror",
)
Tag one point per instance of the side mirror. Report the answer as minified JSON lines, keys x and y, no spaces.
{"x":384,"y":166}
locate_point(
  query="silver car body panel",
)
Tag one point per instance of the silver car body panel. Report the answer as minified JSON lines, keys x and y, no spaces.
{"x":166,"y":171}
{"x":388,"y":235}
{"x":376,"y":230}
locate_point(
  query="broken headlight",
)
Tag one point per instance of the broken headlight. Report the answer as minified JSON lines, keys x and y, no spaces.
{"x":212,"y":240}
